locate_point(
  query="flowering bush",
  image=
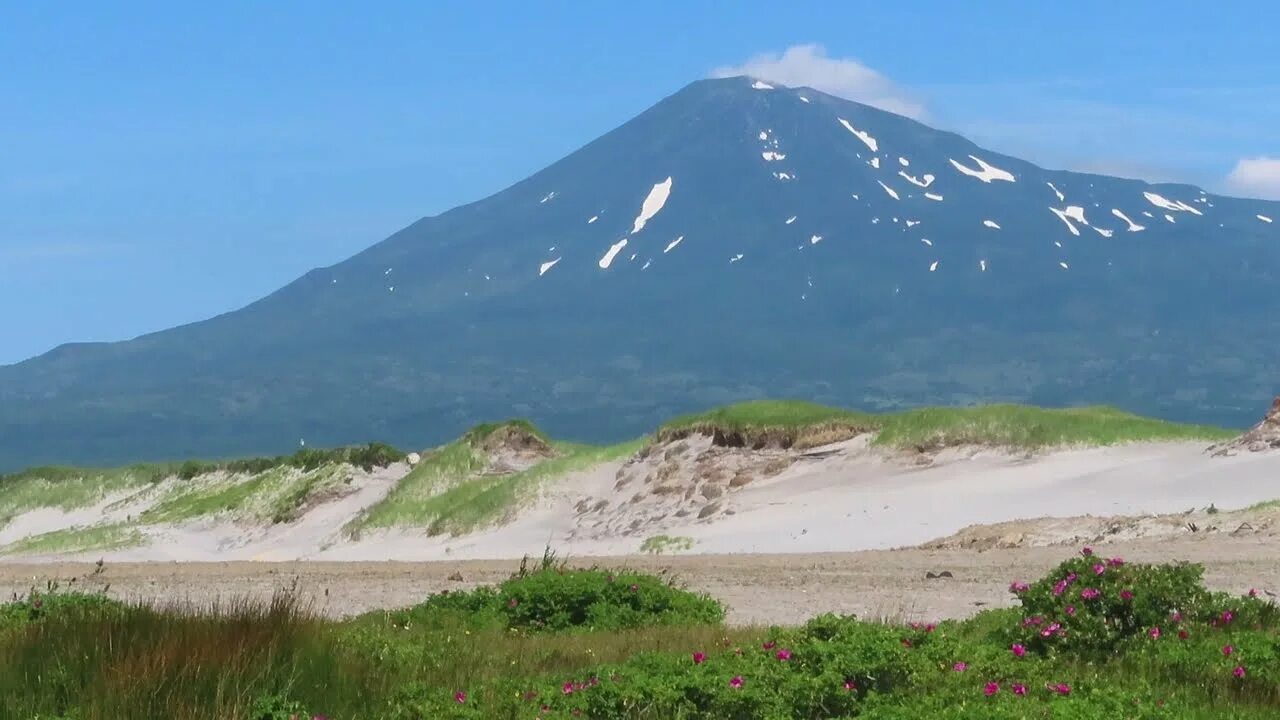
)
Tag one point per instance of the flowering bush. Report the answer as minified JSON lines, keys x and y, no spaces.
{"x":1090,"y":604}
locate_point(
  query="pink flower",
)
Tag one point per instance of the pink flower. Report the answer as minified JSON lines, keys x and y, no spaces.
{"x":1018,"y":650}
{"x":1019,"y":689}
{"x":567,"y":688}
{"x":512,"y":603}
{"x":850,"y":685}
{"x":1071,"y":610}
{"x":1090,"y":593}
{"x":634,"y":588}
{"x":960,"y":666}
{"x":1239,"y":671}
{"x":930,"y":627}
{"x":783,"y":654}
{"x":1227,"y":617}
{"x":769,"y":645}
{"x":1051,"y":630}
{"x":1227,"y":650}
{"x":1037,"y":621}
{"x":736,"y":682}
{"x":991,"y":689}
{"x":1176,"y":616}
{"x":1126,"y":595}
{"x":1115,"y":562}
{"x":1059,"y":587}
{"x":1253,"y":592}
{"x":699,"y":658}
{"x":1061,"y":688}
{"x":460,"y":697}
{"x":1099,"y":569}
{"x":1018,"y":587}
{"x":1087,"y":551}
{"x":1154,"y":633}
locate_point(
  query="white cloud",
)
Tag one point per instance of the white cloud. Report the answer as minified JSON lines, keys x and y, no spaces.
{"x":1257,"y":176}
{"x":808,"y":65}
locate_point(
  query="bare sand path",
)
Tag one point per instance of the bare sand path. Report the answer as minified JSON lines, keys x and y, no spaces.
{"x":758,"y":588}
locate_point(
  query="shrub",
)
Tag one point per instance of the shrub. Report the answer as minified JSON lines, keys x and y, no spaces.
{"x":555,"y":599}
{"x":1091,"y":604}
{"x":39,"y":605}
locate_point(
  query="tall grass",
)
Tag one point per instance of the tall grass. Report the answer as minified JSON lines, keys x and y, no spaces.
{"x":215,"y":661}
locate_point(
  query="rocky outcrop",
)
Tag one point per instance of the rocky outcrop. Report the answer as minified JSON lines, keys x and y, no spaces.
{"x":1261,"y":437}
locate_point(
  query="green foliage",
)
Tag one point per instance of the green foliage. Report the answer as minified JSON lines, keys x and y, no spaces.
{"x":476,"y":655}
{"x":37,"y":606}
{"x":1092,"y":604}
{"x":557,"y":599}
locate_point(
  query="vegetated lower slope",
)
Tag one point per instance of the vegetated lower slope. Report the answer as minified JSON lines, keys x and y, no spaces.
{"x":850,"y":246}
{"x":110,"y":509}
{"x":1096,"y":637}
{"x":481,"y":478}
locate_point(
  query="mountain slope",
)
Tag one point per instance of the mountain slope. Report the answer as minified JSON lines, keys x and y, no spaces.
{"x":998,"y":281}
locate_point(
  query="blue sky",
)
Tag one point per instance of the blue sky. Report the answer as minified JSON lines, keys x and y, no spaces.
{"x":164,"y":162}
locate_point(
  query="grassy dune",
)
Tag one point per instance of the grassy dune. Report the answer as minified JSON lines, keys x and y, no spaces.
{"x":452,"y":491}
{"x":801,"y":424}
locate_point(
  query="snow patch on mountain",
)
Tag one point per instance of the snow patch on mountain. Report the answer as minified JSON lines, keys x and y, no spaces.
{"x":892,"y":193}
{"x":1133,"y":226}
{"x":926,"y":182}
{"x":671,"y":245}
{"x":1165,"y":203}
{"x":991,"y":224}
{"x":544,"y":267}
{"x":1064,"y":217}
{"x":654,"y":202}
{"x":607,"y":259}
{"x":862,"y":135}
{"x":986,"y":172}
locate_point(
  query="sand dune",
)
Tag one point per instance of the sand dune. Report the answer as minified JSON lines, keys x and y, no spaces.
{"x":847,"y":496}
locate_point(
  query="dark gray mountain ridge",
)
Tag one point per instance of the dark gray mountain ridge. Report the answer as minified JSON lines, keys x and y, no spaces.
{"x":919,"y":269}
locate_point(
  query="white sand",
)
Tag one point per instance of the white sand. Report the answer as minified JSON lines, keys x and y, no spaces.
{"x":845,"y":497}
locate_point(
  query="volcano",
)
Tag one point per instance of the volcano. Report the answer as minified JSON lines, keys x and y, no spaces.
{"x":739,"y":239}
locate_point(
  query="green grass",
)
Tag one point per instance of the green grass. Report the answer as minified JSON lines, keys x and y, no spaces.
{"x":1022,"y":426}
{"x":1265,"y":505}
{"x":76,"y":540}
{"x":1017,"y":426}
{"x":232,"y":495}
{"x":71,"y":488}
{"x":438,"y":471}
{"x":482,"y":501}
